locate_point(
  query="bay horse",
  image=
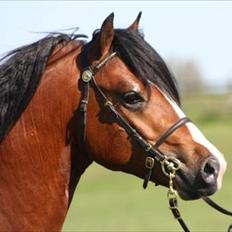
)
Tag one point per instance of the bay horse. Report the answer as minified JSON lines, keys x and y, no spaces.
{"x":65,"y":103}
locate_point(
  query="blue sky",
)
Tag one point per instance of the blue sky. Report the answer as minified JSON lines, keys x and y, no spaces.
{"x":198,"y":30}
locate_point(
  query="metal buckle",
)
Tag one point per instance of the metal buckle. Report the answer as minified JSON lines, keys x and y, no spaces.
{"x":87,"y":75}
{"x":149,"y":162}
{"x":170,"y":165}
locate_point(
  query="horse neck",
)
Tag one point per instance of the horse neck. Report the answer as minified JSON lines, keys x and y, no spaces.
{"x":39,"y":162}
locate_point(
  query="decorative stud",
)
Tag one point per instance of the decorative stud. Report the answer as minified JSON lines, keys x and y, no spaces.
{"x":108,"y":103}
{"x":148,"y":148}
{"x":87,"y":75}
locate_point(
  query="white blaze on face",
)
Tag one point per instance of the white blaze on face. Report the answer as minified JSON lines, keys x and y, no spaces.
{"x":199,"y":138}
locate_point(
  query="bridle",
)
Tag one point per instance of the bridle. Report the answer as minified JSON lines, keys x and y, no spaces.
{"x":153,"y":153}
{"x":169,"y":165}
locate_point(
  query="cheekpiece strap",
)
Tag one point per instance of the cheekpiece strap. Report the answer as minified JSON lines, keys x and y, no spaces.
{"x":87,"y":76}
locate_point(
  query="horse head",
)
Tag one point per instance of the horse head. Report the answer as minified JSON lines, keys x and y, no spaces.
{"x":140,"y":88}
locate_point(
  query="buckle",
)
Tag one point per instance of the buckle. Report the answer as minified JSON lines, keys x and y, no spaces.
{"x":149,"y":162}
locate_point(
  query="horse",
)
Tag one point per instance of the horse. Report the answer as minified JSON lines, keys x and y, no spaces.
{"x":66,"y":103}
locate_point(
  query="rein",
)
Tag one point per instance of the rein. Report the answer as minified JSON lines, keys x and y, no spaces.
{"x":169,"y":165}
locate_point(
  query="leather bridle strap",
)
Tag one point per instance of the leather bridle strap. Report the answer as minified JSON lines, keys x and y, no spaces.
{"x":152,"y":151}
{"x":149,"y":163}
{"x":216,"y":206}
{"x":176,"y":213}
{"x":171,"y":130}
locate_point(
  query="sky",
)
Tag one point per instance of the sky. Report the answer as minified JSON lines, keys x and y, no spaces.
{"x":187,"y":30}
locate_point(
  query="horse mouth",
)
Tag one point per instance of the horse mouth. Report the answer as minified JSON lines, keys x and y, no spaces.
{"x":190,"y":187}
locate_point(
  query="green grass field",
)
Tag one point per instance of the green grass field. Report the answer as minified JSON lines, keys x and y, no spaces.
{"x":114,"y":201}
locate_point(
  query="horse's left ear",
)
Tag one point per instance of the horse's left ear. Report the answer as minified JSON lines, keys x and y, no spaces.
{"x":135,"y":24}
{"x":105,"y":37}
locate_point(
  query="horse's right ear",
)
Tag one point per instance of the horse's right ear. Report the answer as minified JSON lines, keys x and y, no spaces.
{"x":104,"y":39}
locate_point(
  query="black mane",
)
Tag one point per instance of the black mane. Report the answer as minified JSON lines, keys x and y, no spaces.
{"x":144,"y":61}
{"x":20,"y":73}
{"x":21,"y":70}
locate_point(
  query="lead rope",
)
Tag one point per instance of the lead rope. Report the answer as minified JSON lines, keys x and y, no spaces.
{"x":169,"y":167}
{"x":214,"y":205}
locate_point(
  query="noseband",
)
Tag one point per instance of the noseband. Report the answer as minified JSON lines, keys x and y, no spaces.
{"x":169,"y":165}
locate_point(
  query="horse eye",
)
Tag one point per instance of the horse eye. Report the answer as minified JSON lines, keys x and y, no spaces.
{"x":132,"y":98}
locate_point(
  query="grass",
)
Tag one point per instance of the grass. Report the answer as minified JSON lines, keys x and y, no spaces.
{"x":114,"y":201}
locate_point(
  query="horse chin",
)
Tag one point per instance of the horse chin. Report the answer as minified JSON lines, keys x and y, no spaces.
{"x":194,"y":195}
{"x":188,"y":196}
{"x":191,"y":191}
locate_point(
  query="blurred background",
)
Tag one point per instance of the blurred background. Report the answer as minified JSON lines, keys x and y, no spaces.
{"x":194,"y":38}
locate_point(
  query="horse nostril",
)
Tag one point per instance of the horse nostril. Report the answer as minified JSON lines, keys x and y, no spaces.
{"x":209,"y":171}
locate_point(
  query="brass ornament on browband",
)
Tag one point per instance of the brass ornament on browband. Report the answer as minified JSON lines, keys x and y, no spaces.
{"x":88,"y":74}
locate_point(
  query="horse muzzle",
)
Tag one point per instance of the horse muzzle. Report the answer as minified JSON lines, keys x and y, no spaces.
{"x":194,"y":185}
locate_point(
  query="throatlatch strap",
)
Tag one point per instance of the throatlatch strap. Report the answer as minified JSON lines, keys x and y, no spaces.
{"x":84,"y":99}
{"x":83,"y":113}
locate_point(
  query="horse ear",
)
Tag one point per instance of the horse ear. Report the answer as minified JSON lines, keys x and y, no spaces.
{"x":105,"y":37}
{"x":135,"y":24}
